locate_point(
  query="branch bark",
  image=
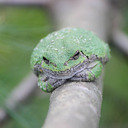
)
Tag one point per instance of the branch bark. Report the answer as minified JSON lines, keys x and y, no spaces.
{"x":75,"y":105}
{"x":78,"y":104}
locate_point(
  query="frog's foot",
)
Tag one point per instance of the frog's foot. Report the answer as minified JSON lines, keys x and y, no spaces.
{"x":92,"y":72}
{"x":49,"y":84}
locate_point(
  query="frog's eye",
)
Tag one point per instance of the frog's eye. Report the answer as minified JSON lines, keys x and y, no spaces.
{"x":76,"y":55}
{"x":46,"y":60}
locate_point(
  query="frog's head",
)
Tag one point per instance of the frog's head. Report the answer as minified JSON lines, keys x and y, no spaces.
{"x":61,"y":69}
{"x":58,"y":54}
{"x":61,"y":54}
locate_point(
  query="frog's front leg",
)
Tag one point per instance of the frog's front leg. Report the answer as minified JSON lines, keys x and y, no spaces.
{"x":49,"y":84}
{"x":90,"y":73}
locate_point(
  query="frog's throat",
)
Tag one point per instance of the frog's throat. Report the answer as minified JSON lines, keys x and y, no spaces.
{"x":67,"y":73}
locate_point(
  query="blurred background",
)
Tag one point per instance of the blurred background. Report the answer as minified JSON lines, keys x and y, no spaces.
{"x":21,"y":28}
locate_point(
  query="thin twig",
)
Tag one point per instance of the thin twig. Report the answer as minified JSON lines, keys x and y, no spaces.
{"x":19,"y":94}
{"x":120,"y":39}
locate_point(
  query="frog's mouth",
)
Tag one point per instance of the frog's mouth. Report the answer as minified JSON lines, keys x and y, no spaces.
{"x":67,"y":73}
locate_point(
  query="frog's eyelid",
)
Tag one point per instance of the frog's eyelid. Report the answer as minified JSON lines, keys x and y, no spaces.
{"x":81,"y":52}
{"x":76,"y":55}
{"x":46,"y":60}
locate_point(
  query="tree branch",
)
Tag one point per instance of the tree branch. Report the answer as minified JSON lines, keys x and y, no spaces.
{"x":75,"y":105}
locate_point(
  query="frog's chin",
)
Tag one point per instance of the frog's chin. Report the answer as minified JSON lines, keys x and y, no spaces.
{"x":67,"y":73}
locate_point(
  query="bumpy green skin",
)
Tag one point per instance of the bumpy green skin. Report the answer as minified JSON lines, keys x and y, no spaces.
{"x":58,"y":47}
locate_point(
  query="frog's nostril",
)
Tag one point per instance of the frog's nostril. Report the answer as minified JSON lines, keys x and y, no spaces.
{"x":65,"y":64}
{"x":55,"y":65}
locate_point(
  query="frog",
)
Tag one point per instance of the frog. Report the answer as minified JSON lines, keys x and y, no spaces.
{"x":70,"y":54}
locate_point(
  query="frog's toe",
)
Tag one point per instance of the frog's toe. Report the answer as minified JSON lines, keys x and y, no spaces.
{"x":44,"y":84}
{"x":49,"y":84}
{"x":49,"y":87}
{"x":44,"y":87}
